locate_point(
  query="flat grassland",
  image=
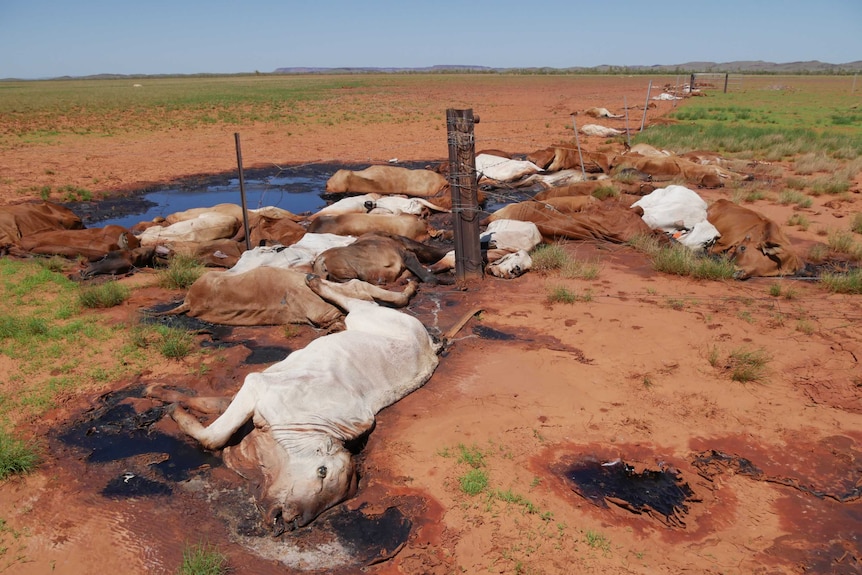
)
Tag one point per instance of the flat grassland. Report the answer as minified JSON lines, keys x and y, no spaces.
{"x":748,"y":391}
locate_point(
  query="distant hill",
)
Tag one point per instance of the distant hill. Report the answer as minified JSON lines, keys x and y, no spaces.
{"x":737,"y":67}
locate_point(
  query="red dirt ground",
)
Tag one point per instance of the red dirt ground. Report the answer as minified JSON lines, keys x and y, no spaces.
{"x":635,"y":373}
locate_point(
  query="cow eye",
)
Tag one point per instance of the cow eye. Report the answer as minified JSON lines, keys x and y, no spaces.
{"x":321,"y":471}
{"x":742,"y":248}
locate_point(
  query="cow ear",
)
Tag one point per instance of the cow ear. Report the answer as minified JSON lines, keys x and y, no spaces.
{"x":770,"y":249}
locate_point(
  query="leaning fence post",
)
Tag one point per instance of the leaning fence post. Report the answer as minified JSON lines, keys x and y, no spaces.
{"x":578,"y":144}
{"x":628,"y":133}
{"x":643,"y":120}
{"x":242,"y":191}
{"x":465,"y":193}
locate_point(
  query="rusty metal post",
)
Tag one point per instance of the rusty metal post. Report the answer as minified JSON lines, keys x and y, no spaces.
{"x":643,"y":120}
{"x":628,"y":132}
{"x":726,"y":76}
{"x":242,"y":191}
{"x":578,"y":144}
{"x":465,"y":193}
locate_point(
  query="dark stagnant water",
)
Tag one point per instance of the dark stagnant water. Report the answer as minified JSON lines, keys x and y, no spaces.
{"x":651,"y":490}
{"x":298,"y":189}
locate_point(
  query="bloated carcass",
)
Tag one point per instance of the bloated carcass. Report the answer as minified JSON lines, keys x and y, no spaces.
{"x":307,"y":406}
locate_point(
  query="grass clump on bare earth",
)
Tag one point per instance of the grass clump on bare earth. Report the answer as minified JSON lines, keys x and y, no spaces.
{"x":108,"y":294}
{"x":16,"y":456}
{"x":181,"y":273}
{"x":553,"y":257}
{"x":676,"y":259}
{"x":849,"y":283}
{"x":202,"y":559}
{"x":743,"y":364}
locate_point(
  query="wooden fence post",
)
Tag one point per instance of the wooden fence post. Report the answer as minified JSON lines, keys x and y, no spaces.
{"x":465,"y":193}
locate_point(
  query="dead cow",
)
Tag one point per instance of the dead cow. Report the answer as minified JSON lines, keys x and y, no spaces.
{"x":756,"y":244}
{"x":378,"y":259}
{"x":386,"y":180}
{"x":307,"y":406}
{"x":89,"y":243}
{"x":21,"y":220}
{"x":406,"y":225}
{"x":269,"y":296}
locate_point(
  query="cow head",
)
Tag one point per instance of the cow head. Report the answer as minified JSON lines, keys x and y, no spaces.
{"x":294,"y":484}
{"x":766,"y":254}
{"x":511,"y":265}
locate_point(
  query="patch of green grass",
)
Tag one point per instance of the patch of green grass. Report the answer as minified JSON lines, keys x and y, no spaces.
{"x":817,"y":253}
{"x":175,"y":343}
{"x":548,"y":257}
{"x":181,"y":273}
{"x":795,"y":197}
{"x":798,"y":220}
{"x":679,"y":260}
{"x":473,"y":482}
{"x":841,"y":241}
{"x":746,"y":365}
{"x":597,"y":541}
{"x":472,"y":456}
{"x":105,"y":295}
{"x":849,"y":283}
{"x":562,"y":294}
{"x":16,"y":456}
{"x":805,"y":326}
{"x":203,"y":559}
{"x":577,"y":269}
{"x":856,"y":223}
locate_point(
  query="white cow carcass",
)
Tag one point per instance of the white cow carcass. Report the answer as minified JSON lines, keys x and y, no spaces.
{"x":205,"y":227}
{"x":307,"y":406}
{"x":602,"y":131}
{"x":496,"y":169}
{"x":299,"y":255}
{"x":511,"y":235}
{"x":681,"y":212}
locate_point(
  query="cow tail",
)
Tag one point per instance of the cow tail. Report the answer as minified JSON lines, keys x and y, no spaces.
{"x":453,"y":331}
{"x":182,"y":308}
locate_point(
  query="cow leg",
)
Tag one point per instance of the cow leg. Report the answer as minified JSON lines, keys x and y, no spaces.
{"x":342,"y":294}
{"x":207,"y":404}
{"x":411,"y":262}
{"x":217,"y":434}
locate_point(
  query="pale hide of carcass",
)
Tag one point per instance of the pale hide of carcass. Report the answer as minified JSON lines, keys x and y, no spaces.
{"x":305,"y":407}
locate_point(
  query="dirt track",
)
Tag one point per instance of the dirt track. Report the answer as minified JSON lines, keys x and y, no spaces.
{"x":537,"y":387}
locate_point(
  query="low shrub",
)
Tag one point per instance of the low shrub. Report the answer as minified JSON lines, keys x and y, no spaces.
{"x":108,"y":294}
{"x":16,"y":456}
{"x":202,"y":560}
{"x":181,"y":273}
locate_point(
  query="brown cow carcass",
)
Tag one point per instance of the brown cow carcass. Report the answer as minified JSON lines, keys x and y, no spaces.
{"x":89,"y":243}
{"x":756,"y":244}
{"x":386,"y":180}
{"x":269,"y":296}
{"x":21,"y":220}
{"x":608,"y":220}
{"x":670,"y":167}
{"x":378,"y":259}
{"x":406,"y":225}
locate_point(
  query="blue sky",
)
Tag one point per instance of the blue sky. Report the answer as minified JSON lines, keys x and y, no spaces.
{"x":49,"y":38}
